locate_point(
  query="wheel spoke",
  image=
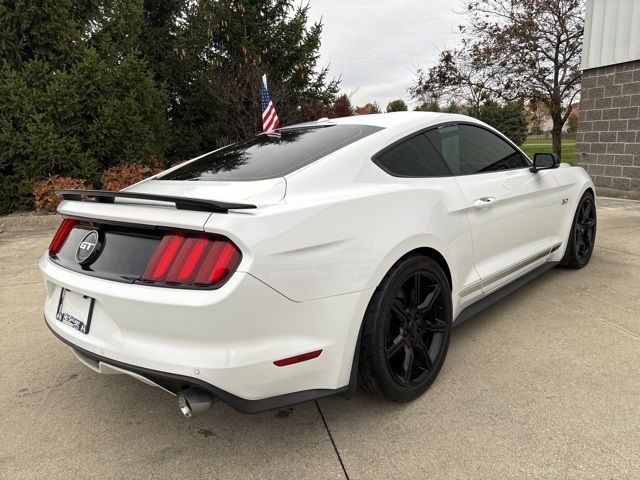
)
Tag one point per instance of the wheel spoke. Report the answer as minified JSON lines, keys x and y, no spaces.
{"x":589,"y":237}
{"x":586,"y":231}
{"x":399,"y":310}
{"x":396,"y":346}
{"x":585,"y":211}
{"x":407,"y":364}
{"x":436,"y":325}
{"x":415,"y":292}
{"x":422,"y":353}
{"x":580,"y":246}
{"x":428,"y":302}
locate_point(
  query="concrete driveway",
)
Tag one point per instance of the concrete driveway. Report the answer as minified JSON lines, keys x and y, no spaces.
{"x":545,"y":384}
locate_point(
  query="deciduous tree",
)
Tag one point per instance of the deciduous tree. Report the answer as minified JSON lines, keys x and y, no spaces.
{"x":538,"y":45}
{"x":467,"y":74}
{"x":513,"y":49}
{"x":572,"y":122}
{"x":368,"y":109}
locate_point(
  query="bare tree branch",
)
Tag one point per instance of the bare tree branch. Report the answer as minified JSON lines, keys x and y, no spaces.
{"x":513,"y":49}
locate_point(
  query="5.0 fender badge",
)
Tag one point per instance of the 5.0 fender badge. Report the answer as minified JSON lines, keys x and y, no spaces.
{"x":89,"y":248}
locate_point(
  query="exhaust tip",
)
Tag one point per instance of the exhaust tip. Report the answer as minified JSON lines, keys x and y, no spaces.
{"x":194,"y":401}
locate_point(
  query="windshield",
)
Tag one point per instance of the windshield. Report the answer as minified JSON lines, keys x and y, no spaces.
{"x":265,"y":157}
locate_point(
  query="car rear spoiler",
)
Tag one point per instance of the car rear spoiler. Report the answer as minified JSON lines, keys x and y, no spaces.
{"x":181,"y":203}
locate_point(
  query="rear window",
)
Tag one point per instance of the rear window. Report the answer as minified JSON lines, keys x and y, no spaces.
{"x":263,"y":157}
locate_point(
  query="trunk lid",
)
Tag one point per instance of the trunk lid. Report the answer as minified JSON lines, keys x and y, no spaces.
{"x":260,"y":192}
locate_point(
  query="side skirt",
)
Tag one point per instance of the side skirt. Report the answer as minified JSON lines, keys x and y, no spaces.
{"x":499,"y":294}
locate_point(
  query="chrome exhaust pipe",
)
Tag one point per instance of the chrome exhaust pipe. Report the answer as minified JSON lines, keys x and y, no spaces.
{"x":194,"y":401}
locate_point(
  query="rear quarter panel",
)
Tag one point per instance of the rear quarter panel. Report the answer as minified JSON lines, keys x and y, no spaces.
{"x":345,"y":242}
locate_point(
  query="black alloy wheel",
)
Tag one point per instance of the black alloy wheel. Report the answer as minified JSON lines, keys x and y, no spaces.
{"x":407,"y":330}
{"x":585,"y":230}
{"x":583,"y":234}
{"x":415,"y":331}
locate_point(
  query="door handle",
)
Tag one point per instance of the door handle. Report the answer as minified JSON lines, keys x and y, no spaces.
{"x":484,"y":202}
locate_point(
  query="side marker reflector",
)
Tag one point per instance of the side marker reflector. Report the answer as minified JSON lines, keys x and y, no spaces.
{"x":297,"y":358}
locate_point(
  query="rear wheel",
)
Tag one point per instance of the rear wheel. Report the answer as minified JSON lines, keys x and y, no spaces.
{"x":583,"y":234}
{"x":406,"y":330}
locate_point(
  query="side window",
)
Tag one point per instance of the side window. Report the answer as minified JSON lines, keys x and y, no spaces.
{"x":415,"y":157}
{"x":467,"y":149}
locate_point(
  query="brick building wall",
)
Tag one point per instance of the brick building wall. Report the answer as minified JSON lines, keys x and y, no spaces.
{"x":608,"y":137}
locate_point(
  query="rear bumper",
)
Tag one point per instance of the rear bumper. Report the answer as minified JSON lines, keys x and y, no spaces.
{"x":224,"y":341}
{"x":174,"y":383}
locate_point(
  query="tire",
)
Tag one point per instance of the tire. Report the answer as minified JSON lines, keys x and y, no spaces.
{"x":406,"y":332}
{"x":582,"y":236}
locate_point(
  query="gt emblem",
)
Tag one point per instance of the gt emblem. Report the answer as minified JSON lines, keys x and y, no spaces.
{"x":88,"y":249}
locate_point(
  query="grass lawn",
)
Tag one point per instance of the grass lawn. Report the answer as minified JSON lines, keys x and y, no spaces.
{"x":533,"y":145}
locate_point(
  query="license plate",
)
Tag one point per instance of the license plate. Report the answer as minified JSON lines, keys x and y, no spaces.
{"x":75,"y":310}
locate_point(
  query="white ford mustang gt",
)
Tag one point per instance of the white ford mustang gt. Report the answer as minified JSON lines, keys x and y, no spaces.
{"x":278,"y":270}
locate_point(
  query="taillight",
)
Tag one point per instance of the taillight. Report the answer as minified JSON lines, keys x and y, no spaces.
{"x":61,"y":235}
{"x":199,"y":260}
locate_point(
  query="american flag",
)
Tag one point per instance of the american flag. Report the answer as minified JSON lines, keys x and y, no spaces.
{"x":270,"y":120}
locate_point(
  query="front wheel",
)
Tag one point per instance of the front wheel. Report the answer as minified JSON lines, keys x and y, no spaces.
{"x":582,"y":237}
{"x":406,"y":330}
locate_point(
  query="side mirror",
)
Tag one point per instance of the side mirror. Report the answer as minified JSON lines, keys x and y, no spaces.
{"x":544,"y":161}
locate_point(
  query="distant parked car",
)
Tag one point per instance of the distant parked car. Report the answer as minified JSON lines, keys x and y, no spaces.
{"x":283,"y":268}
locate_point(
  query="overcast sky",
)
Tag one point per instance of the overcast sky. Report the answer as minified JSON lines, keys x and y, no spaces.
{"x":377,"y":46}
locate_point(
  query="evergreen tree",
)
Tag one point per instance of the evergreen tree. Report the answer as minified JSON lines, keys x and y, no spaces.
{"x":222,"y":51}
{"x":76,"y":96}
{"x":88,"y":84}
{"x":342,"y":108}
{"x":510,"y":119}
{"x":397,"y":106}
